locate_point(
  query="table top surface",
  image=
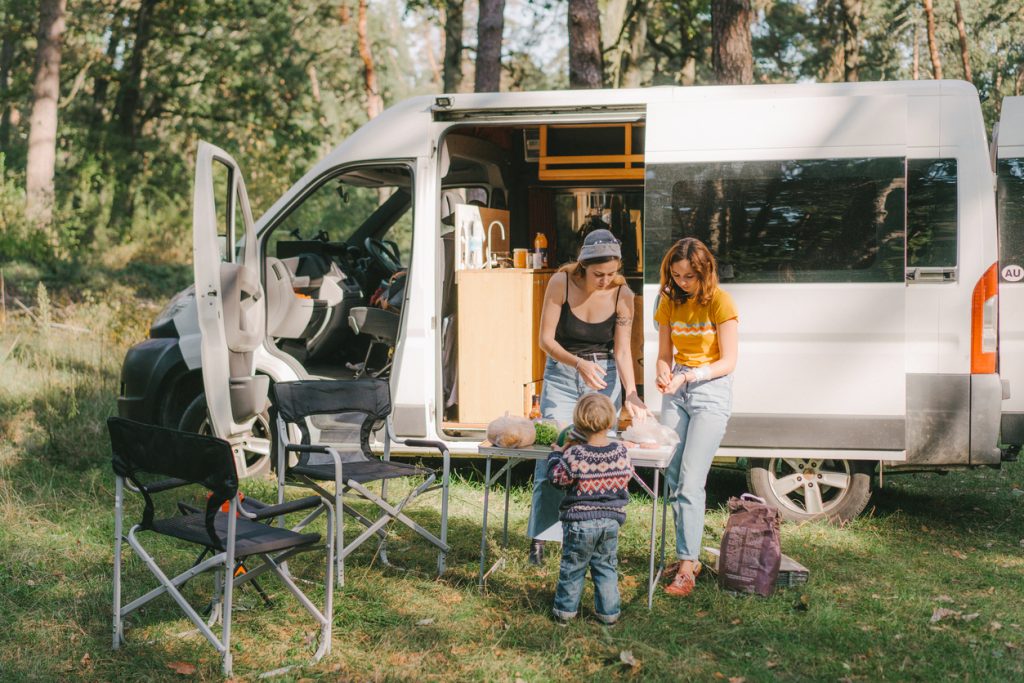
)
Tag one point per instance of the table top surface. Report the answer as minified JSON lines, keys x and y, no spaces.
{"x":640,"y":457}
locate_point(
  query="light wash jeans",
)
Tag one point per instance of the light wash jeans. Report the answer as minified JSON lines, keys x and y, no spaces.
{"x":563,"y":386}
{"x":698,"y":412}
{"x":590,"y":543}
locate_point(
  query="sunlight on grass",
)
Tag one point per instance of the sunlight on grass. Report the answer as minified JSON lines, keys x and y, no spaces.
{"x":951,"y":542}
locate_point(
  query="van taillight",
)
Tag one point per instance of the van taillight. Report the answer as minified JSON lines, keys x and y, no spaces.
{"x":985,"y":322}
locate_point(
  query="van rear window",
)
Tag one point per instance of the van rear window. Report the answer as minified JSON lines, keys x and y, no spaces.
{"x":1010,"y":206}
{"x":931,"y":212}
{"x":818,"y":220}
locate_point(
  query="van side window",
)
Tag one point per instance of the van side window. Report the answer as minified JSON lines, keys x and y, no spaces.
{"x":817,"y":220}
{"x":1010,"y":208}
{"x":931,"y":212}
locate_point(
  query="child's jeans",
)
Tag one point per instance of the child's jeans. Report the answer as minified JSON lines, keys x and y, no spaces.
{"x":590,"y":543}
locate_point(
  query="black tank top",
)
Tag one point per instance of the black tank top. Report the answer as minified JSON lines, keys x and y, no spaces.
{"x":579,"y":337}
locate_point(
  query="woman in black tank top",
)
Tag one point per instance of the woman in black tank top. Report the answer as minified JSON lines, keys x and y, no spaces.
{"x":586,"y":326}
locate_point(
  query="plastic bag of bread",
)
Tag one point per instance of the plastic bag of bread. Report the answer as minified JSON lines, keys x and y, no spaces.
{"x":651,"y":434}
{"x":511,"y":431}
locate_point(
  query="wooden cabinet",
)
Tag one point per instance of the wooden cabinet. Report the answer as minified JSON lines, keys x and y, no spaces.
{"x":500,"y":363}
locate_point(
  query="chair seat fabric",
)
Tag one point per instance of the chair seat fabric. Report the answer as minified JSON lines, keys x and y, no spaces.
{"x":251,"y":538}
{"x":362,"y":472}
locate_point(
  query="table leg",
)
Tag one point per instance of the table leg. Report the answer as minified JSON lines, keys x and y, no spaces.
{"x":508,"y":485}
{"x":652,"y":580}
{"x":483,"y":531}
{"x":664,"y":518}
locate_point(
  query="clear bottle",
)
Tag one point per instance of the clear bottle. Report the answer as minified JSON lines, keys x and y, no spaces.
{"x":476,"y":245}
{"x":540,"y":246}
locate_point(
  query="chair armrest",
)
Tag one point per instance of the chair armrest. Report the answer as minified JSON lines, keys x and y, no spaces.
{"x":263,"y":511}
{"x":306,"y":448}
{"x":160,"y":485}
{"x":427,"y":443}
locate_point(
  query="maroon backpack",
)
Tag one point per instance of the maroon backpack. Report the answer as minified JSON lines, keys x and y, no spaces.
{"x":751,"y":551}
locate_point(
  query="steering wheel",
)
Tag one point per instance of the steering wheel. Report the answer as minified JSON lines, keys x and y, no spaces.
{"x":384,"y":254}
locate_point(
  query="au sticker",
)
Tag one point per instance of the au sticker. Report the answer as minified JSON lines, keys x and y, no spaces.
{"x":1013,"y":273}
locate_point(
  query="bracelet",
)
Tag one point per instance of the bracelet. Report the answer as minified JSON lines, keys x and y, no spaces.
{"x":578,"y":361}
{"x":702,"y":373}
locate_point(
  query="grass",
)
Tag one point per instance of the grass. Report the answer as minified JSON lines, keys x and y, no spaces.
{"x":954,"y":542}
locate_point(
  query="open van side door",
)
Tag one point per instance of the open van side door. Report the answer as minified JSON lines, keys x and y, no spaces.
{"x":1009,"y":169}
{"x":229,"y":297}
{"x":808,"y":229}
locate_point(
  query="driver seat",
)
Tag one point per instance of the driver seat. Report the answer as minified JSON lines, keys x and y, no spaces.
{"x":382,"y":327}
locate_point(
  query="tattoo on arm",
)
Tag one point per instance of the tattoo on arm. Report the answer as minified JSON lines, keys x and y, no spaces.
{"x":623,"y":320}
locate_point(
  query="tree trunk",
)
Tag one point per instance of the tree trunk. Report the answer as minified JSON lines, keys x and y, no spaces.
{"x":127,"y":119}
{"x":489,"y":27}
{"x":452,"y":45}
{"x":586,"y":69}
{"x":852,"y":13}
{"x":916,"y":72}
{"x":42,"y":137}
{"x":374,"y":103}
{"x":632,"y":73}
{"x":962,"y":30}
{"x":6,"y":58}
{"x":831,"y":42}
{"x":732,"y":53}
{"x":933,"y":45}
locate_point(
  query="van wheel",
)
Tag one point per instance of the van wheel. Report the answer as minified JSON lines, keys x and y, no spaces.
{"x":257,"y":444}
{"x":810,"y":488}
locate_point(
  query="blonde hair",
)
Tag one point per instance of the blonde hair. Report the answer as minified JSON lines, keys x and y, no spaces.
{"x":702,"y":261}
{"x":594,"y":413}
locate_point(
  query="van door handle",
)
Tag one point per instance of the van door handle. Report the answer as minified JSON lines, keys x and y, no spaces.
{"x":932,"y":274}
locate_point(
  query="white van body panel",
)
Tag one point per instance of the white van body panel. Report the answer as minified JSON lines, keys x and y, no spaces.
{"x":1010,"y":145}
{"x":926,"y":326}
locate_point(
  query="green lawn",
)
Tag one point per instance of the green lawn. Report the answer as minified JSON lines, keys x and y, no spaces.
{"x":927,"y":542}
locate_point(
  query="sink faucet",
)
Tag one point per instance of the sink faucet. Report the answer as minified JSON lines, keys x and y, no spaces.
{"x":500,"y":227}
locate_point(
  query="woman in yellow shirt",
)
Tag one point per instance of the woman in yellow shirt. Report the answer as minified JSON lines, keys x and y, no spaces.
{"x":697,"y":350}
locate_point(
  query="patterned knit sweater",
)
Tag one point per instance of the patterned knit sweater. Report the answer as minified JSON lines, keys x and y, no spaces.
{"x":597,"y":479}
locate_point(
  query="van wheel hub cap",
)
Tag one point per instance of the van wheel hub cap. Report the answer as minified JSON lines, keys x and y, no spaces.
{"x":809,"y":486}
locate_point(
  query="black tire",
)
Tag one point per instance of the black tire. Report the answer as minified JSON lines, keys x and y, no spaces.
{"x":258,"y":458}
{"x":792,"y":485}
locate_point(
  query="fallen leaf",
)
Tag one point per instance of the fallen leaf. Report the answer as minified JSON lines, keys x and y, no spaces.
{"x":425,"y":622}
{"x":86,"y":660}
{"x":943,"y":598}
{"x":737,"y":679}
{"x":994,"y":626}
{"x":719,"y":675}
{"x":701,"y":614}
{"x":941,"y":613}
{"x":182,"y":668}
{"x":627,"y":658}
{"x":1011,"y":646}
{"x":803,"y":603}
{"x":770,"y":664}
{"x":736,"y":622}
{"x":958,"y":555}
{"x":970,"y":617}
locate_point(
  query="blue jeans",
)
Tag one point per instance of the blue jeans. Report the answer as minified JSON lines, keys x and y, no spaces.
{"x":698,"y":412}
{"x":563,"y":387}
{"x":590,"y":543}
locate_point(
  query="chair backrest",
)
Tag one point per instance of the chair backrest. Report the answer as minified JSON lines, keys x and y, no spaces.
{"x":138,"y":448}
{"x":358,"y":403}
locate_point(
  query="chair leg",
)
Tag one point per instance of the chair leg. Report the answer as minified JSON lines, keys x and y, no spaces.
{"x":442,"y":556}
{"x":118,"y":510}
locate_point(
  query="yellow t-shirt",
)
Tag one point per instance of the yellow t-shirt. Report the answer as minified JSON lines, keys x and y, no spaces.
{"x":695,"y":327}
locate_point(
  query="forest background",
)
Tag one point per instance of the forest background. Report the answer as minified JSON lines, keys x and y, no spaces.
{"x":120,"y":91}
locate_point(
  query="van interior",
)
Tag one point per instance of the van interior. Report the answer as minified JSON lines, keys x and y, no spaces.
{"x":336,"y":263}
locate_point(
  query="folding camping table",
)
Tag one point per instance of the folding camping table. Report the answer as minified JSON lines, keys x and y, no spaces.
{"x":656,"y":459}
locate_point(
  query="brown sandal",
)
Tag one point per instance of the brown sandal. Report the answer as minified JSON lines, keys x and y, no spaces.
{"x":683,"y":584}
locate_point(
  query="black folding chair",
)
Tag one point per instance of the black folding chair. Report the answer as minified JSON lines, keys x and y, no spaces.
{"x":352,"y":410}
{"x":142,"y":451}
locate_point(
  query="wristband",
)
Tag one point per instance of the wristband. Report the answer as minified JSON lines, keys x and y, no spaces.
{"x":701,"y":374}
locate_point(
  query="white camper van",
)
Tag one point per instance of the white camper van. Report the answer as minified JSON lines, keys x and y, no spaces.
{"x":855,"y":226}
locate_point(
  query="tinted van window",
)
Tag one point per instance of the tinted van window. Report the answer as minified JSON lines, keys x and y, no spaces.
{"x":819,"y":220}
{"x":931,"y":212}
{"x":1010,"y":207}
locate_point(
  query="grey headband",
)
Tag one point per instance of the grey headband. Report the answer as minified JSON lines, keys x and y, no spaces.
{"x":600,"y":244}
